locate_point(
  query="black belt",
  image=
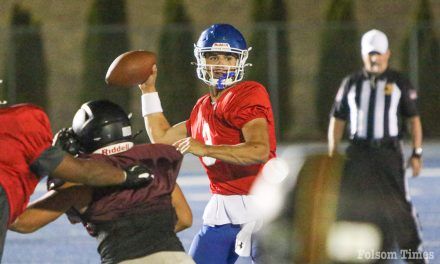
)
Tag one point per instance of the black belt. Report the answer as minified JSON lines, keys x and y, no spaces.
{"x":377,"y":143}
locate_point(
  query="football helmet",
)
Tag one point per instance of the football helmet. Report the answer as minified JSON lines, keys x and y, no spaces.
{"x":226,"y":39}
{"x":100,"y":123}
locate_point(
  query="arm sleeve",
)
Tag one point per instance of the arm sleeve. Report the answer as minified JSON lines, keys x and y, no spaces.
{"x":34,"y":131}
{"x":48,"y":161}
{"x":340,"y":107}
{"x":193,"y":115}
{"x":409,"y":98}
{"x":188,"y":127}
{"x":248,"y":105}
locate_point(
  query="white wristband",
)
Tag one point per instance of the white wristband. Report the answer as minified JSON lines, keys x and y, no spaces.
{"x":151,"y":104}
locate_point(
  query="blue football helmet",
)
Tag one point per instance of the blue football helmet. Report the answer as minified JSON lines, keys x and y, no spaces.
{"x":221,"y":38}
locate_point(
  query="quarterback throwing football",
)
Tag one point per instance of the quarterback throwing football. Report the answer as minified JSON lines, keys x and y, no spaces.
{"x":231,"y":130}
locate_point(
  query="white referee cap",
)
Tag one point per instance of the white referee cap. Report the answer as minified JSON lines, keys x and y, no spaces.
{"x":374,"y":40}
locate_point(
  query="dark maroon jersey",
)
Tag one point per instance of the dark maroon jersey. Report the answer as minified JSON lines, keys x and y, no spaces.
{"x":131,"y":223}
{"x":110,"y":203}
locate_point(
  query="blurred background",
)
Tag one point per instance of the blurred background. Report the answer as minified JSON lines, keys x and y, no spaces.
{"x":56,"y":53}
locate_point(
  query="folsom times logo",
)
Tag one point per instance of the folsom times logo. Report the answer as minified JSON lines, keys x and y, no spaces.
{"x":404,"y":254}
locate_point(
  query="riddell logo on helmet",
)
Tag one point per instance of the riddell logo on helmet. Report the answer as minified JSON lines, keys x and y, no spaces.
{"x":219,"y":45}
{"x":114,"y":149}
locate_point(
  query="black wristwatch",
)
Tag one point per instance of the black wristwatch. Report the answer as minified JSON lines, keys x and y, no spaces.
{"x":417,"y":153}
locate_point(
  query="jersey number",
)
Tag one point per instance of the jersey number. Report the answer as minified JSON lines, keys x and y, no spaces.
{"x":208,"y":161}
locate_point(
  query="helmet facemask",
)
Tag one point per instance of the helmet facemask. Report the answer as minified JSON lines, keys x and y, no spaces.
{"x":207,"y":73}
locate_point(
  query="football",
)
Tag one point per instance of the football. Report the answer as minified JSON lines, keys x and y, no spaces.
{"x":130,"y":68}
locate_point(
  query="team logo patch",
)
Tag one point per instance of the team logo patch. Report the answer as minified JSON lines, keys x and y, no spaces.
{"x":114,"y":149}
{"x":221,"y":46}
{"x":389,"y":88}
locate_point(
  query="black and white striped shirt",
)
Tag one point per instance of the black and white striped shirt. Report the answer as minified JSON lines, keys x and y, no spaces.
{"x":374,"y":106}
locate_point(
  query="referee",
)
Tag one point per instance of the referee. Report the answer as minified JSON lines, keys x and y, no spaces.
{"x":376,"y":102}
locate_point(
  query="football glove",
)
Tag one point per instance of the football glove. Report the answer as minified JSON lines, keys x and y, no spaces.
{"x":67,"y":141}
{"x":54,"y":183}
{"x":138,"y":176}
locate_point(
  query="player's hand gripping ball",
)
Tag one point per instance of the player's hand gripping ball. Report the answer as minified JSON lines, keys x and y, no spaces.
{"x":131,"y":68}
